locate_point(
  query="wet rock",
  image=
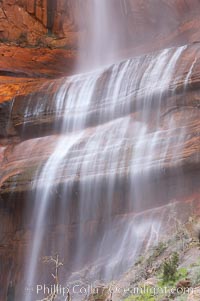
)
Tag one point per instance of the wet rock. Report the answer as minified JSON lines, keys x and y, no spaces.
{"x":184,"y":284}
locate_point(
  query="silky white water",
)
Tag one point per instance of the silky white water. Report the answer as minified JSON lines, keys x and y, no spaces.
{"x":101,"y":143}
{"x":104,"y":33}
{"x":110,"y":143}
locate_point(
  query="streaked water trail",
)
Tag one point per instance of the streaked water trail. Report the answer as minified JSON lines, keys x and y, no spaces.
{"x":103,"y":152}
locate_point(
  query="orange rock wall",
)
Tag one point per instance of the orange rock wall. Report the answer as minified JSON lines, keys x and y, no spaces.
{"x":37,"y":22}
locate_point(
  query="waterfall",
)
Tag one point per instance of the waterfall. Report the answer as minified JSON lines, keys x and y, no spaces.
{"x":105,"y":152}
{"x":104,"y":34}
{"x":99,"y":174}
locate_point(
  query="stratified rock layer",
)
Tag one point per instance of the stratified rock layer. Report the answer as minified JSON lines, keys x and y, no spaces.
{"x":18,"y":169}
{"x":39,"y":44}
{"x":27,"y":142}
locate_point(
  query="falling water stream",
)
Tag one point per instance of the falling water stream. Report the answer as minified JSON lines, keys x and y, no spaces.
{"x":104,"y":159}
{"x":98,"y":157}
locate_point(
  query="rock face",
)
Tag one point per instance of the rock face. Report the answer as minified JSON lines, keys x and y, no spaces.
{"x":47,"y":24}
{"x":35,"y":62}
{"x":27,"y":142}
{"x":51,"y":22}
{"x":54,"y":23}
{"x":25,"y":125}
{"x":38,"y":47}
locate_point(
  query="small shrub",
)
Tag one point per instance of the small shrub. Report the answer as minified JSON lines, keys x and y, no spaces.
{"x":182,"y":273}
{"x":170,"y":268}
{"x":157,"y":251}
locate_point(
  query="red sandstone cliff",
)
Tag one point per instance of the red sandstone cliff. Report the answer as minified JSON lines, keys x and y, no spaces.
{"x":38,"y":43}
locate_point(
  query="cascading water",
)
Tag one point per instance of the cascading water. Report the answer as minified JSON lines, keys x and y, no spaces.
{"x":102,"y":166}
{"x":99,"y":158}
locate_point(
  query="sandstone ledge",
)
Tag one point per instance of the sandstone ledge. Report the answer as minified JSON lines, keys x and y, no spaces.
{"x":35,"y":62}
